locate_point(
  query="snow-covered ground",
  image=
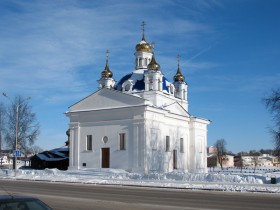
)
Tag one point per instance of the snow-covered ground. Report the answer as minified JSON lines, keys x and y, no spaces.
{"x":230,"y":179}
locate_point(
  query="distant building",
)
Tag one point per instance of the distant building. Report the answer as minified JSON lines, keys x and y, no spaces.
{"x":212,"y":150}
{"x":5,"y":161}
{"x":264,"y":160}
{"x":212,"y":160}
{"x":228,"y":161}
{"x":56,"y":158}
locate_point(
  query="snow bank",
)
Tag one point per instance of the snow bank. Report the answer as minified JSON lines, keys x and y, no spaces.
{"x":176,"y":179}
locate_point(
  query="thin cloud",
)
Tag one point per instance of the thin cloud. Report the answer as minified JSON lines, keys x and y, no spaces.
{"x":199,"y":53}
{"x":236,"y":83}
{"x":46,"y":43}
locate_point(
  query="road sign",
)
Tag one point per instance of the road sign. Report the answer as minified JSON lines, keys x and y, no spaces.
{"x":17,"y":153}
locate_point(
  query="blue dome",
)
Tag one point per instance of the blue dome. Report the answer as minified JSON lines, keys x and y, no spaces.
{"x":137,"y":78}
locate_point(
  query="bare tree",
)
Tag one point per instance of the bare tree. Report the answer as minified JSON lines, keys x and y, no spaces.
{"x":221,"y":151}
{"x":28,"y":127}
{"x":272,"y":103}
{"x":241,"y":164}
{"x":2,"y":115}
{"x":238,"y":162}
{"x":34,"y":149}
{"x":212,"y":161}
{"x":255,"y":160}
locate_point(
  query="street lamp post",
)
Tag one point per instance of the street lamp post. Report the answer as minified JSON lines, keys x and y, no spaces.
{"x":17,"y":121}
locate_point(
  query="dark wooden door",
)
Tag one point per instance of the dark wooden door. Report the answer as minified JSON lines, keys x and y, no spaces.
{"x":105,"y":158}
{"x":174,"y":159}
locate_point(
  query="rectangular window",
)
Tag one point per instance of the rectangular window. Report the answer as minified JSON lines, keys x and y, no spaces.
{"x":89,"y":142}
{"x":181,"y":145}
{"x":122,"y":141}
{"x":167,"y":144}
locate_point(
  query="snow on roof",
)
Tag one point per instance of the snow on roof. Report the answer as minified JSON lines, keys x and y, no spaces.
{"x":54,"y":154}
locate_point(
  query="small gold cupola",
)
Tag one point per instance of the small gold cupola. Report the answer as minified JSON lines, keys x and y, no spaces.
{"x":143,"y":46}
{"x":153,"y":65}
{"x":179,"y":77}
{"x":106,"y":73}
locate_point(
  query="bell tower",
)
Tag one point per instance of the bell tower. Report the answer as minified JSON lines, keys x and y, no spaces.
{"x":153,"y":76}
{"x":143,"y":52}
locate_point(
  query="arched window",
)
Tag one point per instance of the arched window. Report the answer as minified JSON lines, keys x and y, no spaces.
{"x":127,"y":87}
{"x":150,"y":84}
{"x":159,"y":84}
{"x":140,"y":62}
{"x":171,"y":89}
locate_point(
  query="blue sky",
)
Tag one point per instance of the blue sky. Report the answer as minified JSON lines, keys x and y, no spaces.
{"x":54,"y":51}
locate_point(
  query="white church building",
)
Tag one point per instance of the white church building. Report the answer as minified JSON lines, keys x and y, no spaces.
{"x":140,"y":123}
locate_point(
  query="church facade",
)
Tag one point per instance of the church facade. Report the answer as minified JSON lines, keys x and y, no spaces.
{"x":140,"y":123}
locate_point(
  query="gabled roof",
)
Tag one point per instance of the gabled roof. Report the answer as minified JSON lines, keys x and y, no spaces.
{"x":106,"y":99}
{"x":176,"y":108}
{"x":6,"y":151}
{"x":53,"y":155}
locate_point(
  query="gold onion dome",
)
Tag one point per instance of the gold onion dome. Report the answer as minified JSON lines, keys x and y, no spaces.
{"x":143,"y":46}
{"x":179,"y":77}
{"x":153,"y":65}
{"x":106,"y":73}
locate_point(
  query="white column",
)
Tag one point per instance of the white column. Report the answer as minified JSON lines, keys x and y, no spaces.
{"x":155,"y":80}
{"x":71,"y":149}
{"x":146,"y":80}
{"x":76,"y":146}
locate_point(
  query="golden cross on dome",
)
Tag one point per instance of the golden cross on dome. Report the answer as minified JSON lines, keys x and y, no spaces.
{"x":178,"y":57}
{"x":143,"y":26}
{"x":107,"y":55}
{"x":153,"y":46}
{"x":143,"y":30}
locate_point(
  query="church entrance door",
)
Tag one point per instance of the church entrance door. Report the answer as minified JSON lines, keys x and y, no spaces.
{"x":174,"y":159}
{"x":105,"y":158}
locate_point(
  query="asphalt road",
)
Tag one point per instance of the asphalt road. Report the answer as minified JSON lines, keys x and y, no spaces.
{"x":62,"y":196}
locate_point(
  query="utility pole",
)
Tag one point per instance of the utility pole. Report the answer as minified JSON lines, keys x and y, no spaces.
{"x":0,"y":132}
{"x":1,"y":126}
{"x":1,"y":161}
